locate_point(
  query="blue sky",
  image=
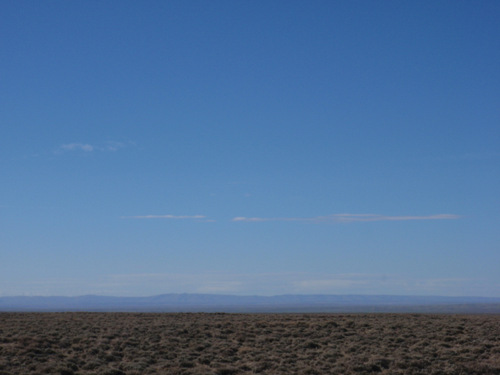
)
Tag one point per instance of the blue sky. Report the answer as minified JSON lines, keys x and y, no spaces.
{"x":250,"y":147}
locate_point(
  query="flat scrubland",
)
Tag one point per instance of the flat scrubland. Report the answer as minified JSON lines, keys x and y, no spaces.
{"x":226,"y":344}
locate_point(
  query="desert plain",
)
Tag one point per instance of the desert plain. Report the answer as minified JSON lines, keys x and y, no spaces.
{"x":76,"y":343}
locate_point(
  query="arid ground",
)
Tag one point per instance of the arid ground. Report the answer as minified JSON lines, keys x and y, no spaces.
{"x":226,"y":344}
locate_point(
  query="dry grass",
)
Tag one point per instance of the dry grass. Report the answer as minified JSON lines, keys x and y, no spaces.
{"x":230,"y":344}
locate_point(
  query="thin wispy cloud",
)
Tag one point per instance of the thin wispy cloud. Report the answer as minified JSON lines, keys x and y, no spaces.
{"x":77,"y":147}
{"x":172,"y":217}
{"x":109,"y":146}
{"x":112,"y":146}
{"x":349,"y":218}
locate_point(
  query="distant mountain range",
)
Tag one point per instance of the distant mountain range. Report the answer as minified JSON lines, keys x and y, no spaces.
{"x":255,"y":304}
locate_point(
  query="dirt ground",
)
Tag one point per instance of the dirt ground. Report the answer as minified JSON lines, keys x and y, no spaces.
{"x":227,"y":344}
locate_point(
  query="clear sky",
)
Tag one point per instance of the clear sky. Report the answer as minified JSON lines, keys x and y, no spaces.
{"x":250,"y":147}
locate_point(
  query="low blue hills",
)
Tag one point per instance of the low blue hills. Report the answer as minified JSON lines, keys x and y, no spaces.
{"x":185,"y":302}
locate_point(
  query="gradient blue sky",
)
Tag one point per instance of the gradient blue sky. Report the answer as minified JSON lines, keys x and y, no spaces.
{"x":250,"y":147}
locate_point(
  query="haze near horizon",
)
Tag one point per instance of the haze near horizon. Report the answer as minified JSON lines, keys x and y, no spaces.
{"x":250,"y":147}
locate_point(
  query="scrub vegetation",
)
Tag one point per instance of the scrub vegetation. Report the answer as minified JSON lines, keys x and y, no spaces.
{"x":231,"y":344}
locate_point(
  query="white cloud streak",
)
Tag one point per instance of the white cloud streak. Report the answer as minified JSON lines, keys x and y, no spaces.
{"x":77,"y":147}
{"x":349,"y":218}
{"x":110,"y":146}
